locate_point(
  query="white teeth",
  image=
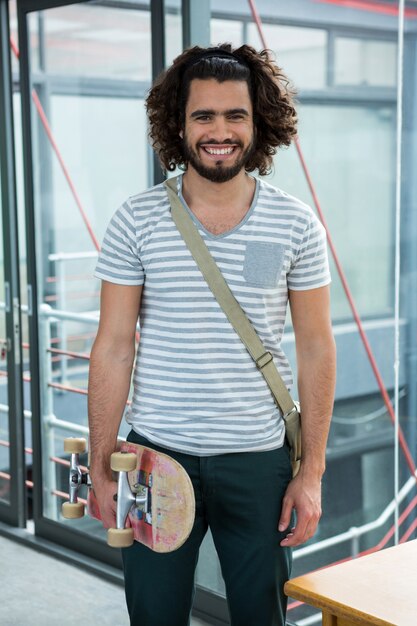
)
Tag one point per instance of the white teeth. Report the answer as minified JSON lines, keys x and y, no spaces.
{"x":219,"y":150}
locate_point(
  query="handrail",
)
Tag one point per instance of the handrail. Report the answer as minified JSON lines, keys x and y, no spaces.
{"x":72,"y":256}
{"x":26,"y":413}
{"x":47,"y":312}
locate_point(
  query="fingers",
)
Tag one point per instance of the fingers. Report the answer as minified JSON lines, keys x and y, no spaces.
{"x":304,"y":496}
{"x":108,"y":508}
{"x":285,"y":519}
{"x":111,"y":519}
{"x":303,"y":530}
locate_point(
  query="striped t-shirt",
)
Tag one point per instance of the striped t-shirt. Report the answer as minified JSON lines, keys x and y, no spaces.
{"x":196,"y":388}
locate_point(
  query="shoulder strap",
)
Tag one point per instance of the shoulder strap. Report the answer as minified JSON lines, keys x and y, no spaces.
{"x":231,"y":307}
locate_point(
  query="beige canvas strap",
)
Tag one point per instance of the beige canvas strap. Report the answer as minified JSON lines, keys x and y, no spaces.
{"x":229,"y":304}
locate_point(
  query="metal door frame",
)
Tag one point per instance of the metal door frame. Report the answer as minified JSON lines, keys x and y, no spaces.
{"x":13,"y":513}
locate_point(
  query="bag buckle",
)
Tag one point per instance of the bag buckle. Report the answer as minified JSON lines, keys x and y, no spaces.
{"x":293,"y":410}
{"x":263,"y":360}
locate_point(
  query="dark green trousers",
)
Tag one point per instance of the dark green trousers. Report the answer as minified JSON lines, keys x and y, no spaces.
{"x":239,"y":497}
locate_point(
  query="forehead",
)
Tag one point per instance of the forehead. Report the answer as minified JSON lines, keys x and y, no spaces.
{"x":210,"y":94}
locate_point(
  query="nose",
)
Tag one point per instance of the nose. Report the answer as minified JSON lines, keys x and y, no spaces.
{"x":221,"y":129}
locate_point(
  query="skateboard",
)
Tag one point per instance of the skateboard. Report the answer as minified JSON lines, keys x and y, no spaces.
{"x":154,"y":492}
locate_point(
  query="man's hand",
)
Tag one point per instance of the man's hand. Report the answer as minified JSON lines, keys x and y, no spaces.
{"x":105,"y":492}
{"x":304,"y":495}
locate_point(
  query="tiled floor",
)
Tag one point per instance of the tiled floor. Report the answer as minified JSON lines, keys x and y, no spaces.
{"x":39,"y":590}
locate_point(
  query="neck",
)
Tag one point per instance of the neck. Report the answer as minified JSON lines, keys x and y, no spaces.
{"x":199,"y":191}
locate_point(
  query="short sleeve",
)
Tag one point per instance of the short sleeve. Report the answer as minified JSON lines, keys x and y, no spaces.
{"x":310,"y":268}
{"x":119,"y":260}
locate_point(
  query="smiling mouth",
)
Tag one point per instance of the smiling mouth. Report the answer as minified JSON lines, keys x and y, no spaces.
{"x":219,"y":151}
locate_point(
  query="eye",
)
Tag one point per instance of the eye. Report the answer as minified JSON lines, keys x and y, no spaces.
{"x":203,"y":118}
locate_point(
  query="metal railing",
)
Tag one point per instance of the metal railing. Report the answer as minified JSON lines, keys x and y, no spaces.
{"x":61,"y":260}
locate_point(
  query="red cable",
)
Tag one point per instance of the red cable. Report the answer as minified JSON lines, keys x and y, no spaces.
{"x":6,"y":444}
{"x":69,"y":353}
{"x":258,"y":23}
{"x":62,"y":494}
{"x":48,"y":131}
{"x":391,"y":531}
{"x":374,"y":7}
{"x":14,"y":47}
{"x":294,"y":605}
{"x":409,"y":532}
{"x":384,"y":393}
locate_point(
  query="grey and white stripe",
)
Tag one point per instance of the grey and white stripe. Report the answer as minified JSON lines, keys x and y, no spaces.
{"x":196,"y":389}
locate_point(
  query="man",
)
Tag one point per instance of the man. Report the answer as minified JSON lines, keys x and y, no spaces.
{"x":198,"y":396}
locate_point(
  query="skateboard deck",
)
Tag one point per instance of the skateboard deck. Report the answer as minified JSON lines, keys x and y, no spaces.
{"x":165,"y":520}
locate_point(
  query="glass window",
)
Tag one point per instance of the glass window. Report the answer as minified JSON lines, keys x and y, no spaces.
{"x":293,"y":46}
{"x":111,"y":168}
{"x":208,"y":572}
{"x":365,"y":62}
{"x":353,"y":169}
{"x":173,"y":33}
{"x":117,"y":46}
{"x":226,"y":31}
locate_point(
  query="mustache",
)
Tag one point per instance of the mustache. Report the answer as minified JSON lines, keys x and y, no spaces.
{"x":226,"y":142}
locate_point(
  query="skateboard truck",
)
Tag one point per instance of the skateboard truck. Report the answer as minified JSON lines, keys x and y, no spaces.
{"x":126,"y":499}
{"x":123,"y":463}
{"x":74,"y":509}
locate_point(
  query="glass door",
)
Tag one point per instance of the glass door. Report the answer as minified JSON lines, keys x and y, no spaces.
{"x":12,"y":462}
{"x":85,"y":70}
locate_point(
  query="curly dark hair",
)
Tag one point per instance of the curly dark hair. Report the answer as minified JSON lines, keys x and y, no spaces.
{"x":275,"y":118}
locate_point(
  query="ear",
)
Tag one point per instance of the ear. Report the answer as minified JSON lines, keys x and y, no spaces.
{"x":181,"y":134}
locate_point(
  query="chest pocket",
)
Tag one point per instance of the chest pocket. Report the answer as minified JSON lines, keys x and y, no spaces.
{"x":263,"y":264}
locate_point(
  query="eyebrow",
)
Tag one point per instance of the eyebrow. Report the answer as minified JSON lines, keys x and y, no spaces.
{"x":199,"y":112}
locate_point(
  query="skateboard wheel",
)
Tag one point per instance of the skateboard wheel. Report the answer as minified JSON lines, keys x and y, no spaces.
{"x":123,"y":461}
{"x":120,"y":537}
{"x":75,"y":445}
{"x":72,"y":510}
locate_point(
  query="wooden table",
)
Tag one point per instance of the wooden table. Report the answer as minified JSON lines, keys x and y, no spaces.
{"x":376,"y":590}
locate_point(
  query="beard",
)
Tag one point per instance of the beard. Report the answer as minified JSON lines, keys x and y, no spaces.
{"x":218,"y":172}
